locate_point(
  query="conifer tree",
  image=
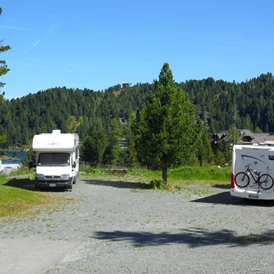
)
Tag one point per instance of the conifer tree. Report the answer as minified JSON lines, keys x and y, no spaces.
{"x":3,"y":66}
{"x":165,"y":126}
{"x":3,"y":70}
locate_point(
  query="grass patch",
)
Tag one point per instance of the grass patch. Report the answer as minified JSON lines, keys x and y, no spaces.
{"x":200,"y":173}
{"x":23,"y":171}
{"x":145,"y":173}
{"x":19,"y":203}
{"x":16,"y":202}
{"x":177,"y":174}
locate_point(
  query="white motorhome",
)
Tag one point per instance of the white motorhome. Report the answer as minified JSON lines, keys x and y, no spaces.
{"x":56,"y":158}
{"x":255,"y":159}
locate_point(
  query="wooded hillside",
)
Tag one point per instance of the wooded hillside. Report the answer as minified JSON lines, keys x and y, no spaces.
{"x":82,"y":111}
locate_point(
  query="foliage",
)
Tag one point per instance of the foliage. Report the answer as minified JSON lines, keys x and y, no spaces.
{"x":158,"y":184}
{"x":88,"y":169}
{"x":3,"y":138}
{"x":25,"y":171}
{"x":165,"y":126}
{"x":3,"y":66}
{"x":93,"y":147}
{"x":114,"y":153}
{"x":74,"y":123}
{"x":75,"y":109}
{"x":130,"y":153}
{"x":233,"y":135}
{"x":203,"y":148}
{"x":257,"y":130}
{"x":29,"y":159}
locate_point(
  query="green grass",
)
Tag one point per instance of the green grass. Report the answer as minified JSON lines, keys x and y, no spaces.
{"x":19,"y":203}
{"x":24,"y":171}
{"x":178,"y":174}
{"x":200,"y":173}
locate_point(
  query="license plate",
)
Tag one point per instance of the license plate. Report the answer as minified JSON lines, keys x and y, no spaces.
{"x":253,"y":196}
{"x":52,"y":185}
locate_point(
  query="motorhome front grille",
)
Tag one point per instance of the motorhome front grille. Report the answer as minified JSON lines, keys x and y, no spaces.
{"x":52,"y":177}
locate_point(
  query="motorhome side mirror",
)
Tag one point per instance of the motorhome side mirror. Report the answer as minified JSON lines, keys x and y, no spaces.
{"x":74,"y":165}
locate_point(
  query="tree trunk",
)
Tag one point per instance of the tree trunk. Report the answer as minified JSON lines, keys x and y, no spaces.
{"x":164,"y":174}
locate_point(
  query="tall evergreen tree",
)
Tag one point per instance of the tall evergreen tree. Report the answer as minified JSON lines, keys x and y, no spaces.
{"x":114,"y":154}
{"x":3,"y":66}
{"x":93,"y":147}
{"x":3,"y":70}
{"x":130,"y":151}
{"x":204,"y":151}
{"x":165,"y":125}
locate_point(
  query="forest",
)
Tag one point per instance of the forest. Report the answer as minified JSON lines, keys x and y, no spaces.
{"x":108,"y":112}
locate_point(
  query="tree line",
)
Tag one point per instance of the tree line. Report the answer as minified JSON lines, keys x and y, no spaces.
{"x":84,"y":110}
{"x":107,"y":116}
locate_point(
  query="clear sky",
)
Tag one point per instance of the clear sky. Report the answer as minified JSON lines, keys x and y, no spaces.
{"x":96,"y":44}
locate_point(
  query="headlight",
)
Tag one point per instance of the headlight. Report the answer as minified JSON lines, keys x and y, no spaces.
{"x":64,"y":177}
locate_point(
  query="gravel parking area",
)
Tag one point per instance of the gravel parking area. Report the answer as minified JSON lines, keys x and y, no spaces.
{"x":116,"y":227}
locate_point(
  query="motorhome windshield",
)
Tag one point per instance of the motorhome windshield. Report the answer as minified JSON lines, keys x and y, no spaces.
{"x":53,"y":159}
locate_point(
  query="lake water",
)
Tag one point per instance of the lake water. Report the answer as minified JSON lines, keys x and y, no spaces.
{"x":19,"y":155}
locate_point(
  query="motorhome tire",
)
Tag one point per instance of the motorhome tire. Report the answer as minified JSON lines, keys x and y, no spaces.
{"x":69,"y":187}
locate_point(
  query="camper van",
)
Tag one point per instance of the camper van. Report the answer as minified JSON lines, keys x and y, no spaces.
{"x":253,"y":171}
{"x":56,"y":159}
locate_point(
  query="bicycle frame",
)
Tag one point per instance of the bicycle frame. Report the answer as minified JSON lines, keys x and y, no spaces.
{"x":253,"y":172}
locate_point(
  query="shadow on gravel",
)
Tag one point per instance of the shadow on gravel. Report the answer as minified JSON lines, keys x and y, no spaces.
{"x":226,"y":199}
{"x":194,"y":237}
{"x":222,"y":186}
{"x":118,"y":184}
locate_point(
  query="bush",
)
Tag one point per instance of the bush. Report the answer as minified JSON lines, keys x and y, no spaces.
{"x":158,"y":184}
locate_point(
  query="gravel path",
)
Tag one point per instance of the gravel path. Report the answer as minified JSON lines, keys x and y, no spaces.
{"x":120,"y":229}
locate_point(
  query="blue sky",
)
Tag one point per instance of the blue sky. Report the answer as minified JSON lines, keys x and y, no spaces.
{"x":98,"y":44}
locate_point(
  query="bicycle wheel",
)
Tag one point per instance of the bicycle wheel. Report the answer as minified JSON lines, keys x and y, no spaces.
{"x":265,"y":181}
{"x":242,"y":179}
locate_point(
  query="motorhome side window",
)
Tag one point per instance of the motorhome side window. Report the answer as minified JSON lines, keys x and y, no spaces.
{"x":50,"y":159}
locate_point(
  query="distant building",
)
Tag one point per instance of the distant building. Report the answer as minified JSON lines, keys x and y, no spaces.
{"x":246,"y":137}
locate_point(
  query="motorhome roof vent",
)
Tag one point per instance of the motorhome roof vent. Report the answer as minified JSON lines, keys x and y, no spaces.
{"x":56,"y":131}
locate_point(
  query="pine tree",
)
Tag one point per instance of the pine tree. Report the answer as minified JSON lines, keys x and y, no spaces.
{"x":165,"y":126}
{"x":3,"y":66}
{"x":130,"y":151}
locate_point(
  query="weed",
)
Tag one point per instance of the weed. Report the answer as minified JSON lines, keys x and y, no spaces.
{"x":158,"y":184}
{"x":176,"y":187}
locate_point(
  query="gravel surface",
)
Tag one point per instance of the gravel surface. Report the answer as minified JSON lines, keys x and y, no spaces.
{"x":120,"y":228}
